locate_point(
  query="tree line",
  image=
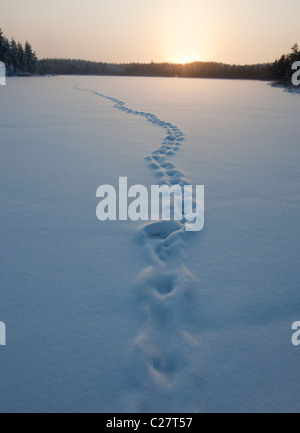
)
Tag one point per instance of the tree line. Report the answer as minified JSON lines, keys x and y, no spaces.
{"x":282,"y":69}
{"x":21,"y":60}
{"x":18,"y":60}
{"x":191,"y":70}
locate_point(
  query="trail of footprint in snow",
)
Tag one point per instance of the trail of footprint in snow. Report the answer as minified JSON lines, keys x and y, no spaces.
{"x":166,"y":283}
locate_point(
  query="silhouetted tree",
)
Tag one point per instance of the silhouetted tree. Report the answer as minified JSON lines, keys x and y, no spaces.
{"x":13,"y":55}
{"x":17,"y":60}
{"x":1,"y":46}
{"x":282,"y":69}
{"x":30,"y":59}
{"x":20,"y":57}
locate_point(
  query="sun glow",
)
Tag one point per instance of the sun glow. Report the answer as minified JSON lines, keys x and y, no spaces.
{"x":184,"y":51}
{"x":186,"y":60}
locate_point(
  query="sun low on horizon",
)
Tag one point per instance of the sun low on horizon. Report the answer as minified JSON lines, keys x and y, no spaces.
{"x":186,"y":60}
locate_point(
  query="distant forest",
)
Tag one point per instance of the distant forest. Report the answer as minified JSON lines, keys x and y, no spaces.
{"x":22,"y":61}
{"x":191,"y":70}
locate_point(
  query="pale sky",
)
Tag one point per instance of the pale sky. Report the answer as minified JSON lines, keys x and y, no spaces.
{"x":230,"y":31}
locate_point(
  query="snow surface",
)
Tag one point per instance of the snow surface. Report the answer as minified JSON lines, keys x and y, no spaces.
{"x":124,"y":316}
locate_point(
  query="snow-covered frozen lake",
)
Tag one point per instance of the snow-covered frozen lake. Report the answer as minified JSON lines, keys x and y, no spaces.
{"x":102,"y":318}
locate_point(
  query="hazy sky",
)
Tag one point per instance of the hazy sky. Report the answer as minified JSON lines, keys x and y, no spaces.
{"x":233,"y":31}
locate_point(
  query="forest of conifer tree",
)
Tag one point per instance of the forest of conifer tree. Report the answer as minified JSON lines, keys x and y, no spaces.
{"x":18,"y":60}
{"x":23,"y":61}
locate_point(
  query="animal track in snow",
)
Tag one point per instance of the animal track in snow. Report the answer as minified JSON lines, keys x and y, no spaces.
{"x":164,"y":284}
